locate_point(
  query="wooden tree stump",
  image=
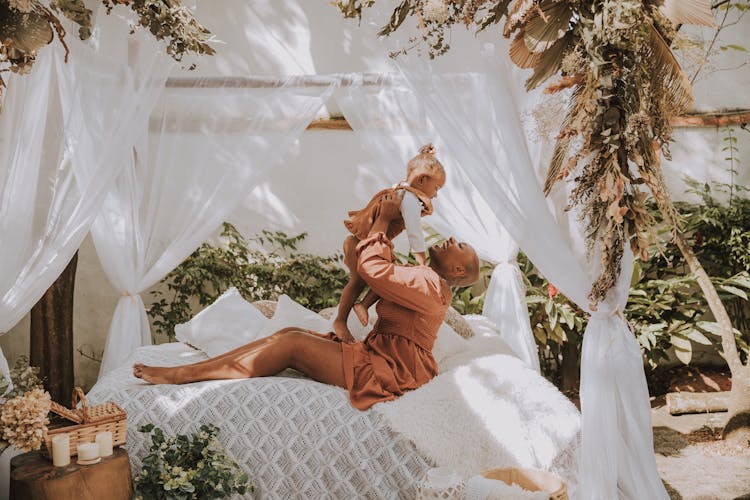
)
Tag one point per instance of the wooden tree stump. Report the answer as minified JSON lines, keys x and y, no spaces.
{"x":33,"y":477}
{"x":680,"y":403}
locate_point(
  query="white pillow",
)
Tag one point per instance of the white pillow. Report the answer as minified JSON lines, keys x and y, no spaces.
{"x":448,"y":342}
{"x":290,"y":313}
{"x":228,"y":323}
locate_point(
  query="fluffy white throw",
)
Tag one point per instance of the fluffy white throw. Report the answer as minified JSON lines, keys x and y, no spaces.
{"x":487,"y":410}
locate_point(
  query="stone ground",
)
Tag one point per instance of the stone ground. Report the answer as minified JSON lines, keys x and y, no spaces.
{"x":692,"y":460}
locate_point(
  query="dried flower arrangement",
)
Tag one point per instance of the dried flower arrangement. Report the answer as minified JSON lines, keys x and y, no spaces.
{"x":28,"y":25}
{"x":23,"y":416}
{"x":626,"y":85}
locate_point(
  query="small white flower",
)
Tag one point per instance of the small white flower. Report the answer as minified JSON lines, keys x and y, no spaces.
{"x":21,"y":6}
{"x":435,"y":11}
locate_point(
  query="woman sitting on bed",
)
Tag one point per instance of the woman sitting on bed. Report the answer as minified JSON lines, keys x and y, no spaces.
{"x":395,"y":357}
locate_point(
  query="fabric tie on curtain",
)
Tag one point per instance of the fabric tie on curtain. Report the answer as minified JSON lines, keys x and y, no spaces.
{"x":52,"y":182}
{"x":392,"y":125}
{"x":480,"y":115}
{"x":209,"y":142}
{"x":505,"y":304}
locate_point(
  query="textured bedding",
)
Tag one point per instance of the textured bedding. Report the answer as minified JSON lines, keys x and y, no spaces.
{"x":297,"y":438}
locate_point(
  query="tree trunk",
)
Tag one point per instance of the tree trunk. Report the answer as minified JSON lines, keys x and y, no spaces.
{"x":569,"y":366}
{"x":737,"y":429}
{"x":51,"y":345}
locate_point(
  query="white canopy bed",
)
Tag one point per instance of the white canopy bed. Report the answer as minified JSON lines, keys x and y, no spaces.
{"x":147,"y":213}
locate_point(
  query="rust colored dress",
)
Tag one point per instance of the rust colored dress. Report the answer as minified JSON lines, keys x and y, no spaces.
{"x":360,"y":221}
{"x":396,"y":356}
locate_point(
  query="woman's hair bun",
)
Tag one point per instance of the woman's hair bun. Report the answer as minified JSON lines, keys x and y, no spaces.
{"x":427,"y":149}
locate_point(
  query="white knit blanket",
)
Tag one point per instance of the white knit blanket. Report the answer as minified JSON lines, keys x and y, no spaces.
{"x":295,"y":438}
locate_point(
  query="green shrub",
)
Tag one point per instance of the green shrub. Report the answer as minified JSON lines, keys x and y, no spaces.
{"x":274,"y":268}
{"x":666,"y":308}
{"x":188,"y":467}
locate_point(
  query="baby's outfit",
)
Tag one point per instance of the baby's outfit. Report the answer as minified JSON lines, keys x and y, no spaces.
{"x":414,"y":206}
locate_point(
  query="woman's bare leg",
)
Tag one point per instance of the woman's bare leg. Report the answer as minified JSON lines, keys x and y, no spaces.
{"x":310,"y":354}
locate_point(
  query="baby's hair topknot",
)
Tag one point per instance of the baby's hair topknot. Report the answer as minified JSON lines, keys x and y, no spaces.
{"x":425,"y":162}
{"x":427,"y":149}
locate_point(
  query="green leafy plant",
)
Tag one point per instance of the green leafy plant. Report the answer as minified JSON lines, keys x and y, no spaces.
{"x":470,"y":299}
{"x":666,"y":309}
{"x":264,"y":267}
{"x":187,"y":467}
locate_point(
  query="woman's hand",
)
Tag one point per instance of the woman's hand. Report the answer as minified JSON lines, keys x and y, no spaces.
{"x":390,"y":206}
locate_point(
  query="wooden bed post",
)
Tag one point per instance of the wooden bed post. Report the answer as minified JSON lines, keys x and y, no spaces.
{"x":51,"y":343}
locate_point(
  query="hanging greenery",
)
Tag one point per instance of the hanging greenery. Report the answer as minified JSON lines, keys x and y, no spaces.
{"x":28,"y":25}
{"x":626,"y":85}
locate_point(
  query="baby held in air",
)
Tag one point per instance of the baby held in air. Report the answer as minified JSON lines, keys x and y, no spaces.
{"x":425,"y":175}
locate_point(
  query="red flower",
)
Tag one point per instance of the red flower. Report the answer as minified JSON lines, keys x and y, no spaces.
{"x":551,"y":290}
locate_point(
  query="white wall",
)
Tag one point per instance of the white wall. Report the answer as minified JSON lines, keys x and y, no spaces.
{"x":329,"y":172}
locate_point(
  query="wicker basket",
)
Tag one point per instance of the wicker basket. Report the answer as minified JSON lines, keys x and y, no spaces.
{"x":88,"y":422}
{"x":532,"y":480}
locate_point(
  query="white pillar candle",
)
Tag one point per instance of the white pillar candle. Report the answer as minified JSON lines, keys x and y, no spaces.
{"x":88,"y":451}
{"x":104,"y":440}
{"x":61,"y":450}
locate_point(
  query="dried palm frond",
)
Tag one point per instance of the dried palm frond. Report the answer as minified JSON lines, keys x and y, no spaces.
{"x":520,"y":54}
{"x":546,"y":25}
{"x":517,"y":14}
{"x":494,"y":14}
{"x":555,"y":172}
{"x":688,"y":12}
{"x":550,"y":61}
{"x":667,"y":74}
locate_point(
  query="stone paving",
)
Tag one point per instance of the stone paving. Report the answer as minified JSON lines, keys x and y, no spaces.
{"x":698,"y":470}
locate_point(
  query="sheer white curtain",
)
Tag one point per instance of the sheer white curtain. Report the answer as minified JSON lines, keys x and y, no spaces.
{"x":479,"y":114}
{"x":391,"y":123}
{"x":209,"y":144}
{"x":59,"y":129}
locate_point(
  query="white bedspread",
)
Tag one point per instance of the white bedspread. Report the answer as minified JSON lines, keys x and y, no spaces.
{"x":297,"y":438}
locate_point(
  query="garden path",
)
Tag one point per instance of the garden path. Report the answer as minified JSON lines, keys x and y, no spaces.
{"x":693,"y":462}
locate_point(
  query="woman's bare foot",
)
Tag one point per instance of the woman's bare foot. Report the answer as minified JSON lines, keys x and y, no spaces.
{"x":361,"y":311}
{"x":342,"y":331}
{"x":155,"y":374}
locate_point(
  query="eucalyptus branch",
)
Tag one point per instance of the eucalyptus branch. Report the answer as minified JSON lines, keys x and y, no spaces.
{"x":704,"y":59}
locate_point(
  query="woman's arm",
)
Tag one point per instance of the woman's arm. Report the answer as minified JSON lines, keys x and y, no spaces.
{"x":416,"y":288}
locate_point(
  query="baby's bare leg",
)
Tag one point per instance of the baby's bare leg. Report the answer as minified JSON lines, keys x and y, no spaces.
{"x":351,"y":291}
{"x":316,"y":357}
{"x":360,"y":308}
